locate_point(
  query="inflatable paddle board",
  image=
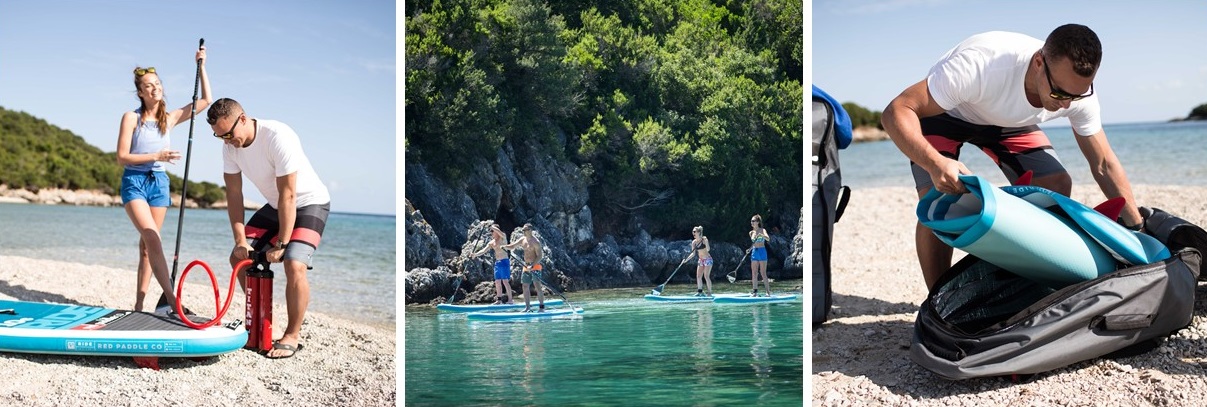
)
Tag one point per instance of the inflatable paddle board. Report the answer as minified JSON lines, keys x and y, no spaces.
{"x":516,"y":316}
{"x":688,"y":298}
{"x":32,"y":327}
{"x":746,"y":299}
{"x":490,"y":307}
{"x":1014,"y":234}
{"x":677,"y":298}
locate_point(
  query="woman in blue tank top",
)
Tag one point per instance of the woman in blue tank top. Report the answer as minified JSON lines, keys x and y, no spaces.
{"x":758,"y":255}
{"x":143,"y":145}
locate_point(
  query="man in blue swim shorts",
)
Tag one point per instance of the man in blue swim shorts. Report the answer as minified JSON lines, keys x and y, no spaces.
{"x":502,"y":264}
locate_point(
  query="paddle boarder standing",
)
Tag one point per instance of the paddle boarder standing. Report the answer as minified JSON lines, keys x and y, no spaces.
{"x":758,"y":255}
{"x":502,"y":264}
{"x":700,"y":248}
{"x":291,"y":224}
{"x":143,"y":145}
{"x":533,"y":254}
{"x":992,"y":90}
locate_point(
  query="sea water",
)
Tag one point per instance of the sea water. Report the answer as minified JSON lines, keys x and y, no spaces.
{"x":624,"y":350}
{"x":353,"y":275}
{"x":1159,"y":153}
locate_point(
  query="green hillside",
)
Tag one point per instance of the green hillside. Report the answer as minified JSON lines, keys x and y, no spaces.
{"x":682,"y":112}
{"x":35,"y":154}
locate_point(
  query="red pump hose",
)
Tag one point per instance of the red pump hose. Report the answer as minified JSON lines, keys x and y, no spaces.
{"x":220,"y":310}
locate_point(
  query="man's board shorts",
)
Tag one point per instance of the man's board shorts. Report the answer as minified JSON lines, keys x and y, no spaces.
{"x":526,"y":276}
{"x":758,"y":254}
{"x":150,"y":186}
{"x":1015,"y":150}
{"x":503,"y":269}
{"x":308,"y":228}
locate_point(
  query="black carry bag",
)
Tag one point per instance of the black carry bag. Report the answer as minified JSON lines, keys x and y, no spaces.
{"x":982,"y":321}
{"x":829,"y":197}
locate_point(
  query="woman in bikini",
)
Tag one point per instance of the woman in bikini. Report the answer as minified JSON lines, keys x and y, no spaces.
{"x":758,"y":255}
{"x":700,"y":249}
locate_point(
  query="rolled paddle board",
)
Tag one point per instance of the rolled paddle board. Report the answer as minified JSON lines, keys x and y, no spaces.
{"x":489,"y":307}
{"x":519,"y":316}
{"x":32,"y":327}
{"x":1014,"y":234}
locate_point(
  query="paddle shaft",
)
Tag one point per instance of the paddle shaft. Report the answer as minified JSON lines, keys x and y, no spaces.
{"x":187,"y":158}
{"x":542,"y":280}
{"x":732,"y":275}
{"x":668,"y":279}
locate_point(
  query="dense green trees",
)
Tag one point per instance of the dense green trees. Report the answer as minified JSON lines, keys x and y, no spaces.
{"x":684,"y":112}
{"x":861,"y":116}
{"x":1198,"y":113}
{"x":35,"y":154}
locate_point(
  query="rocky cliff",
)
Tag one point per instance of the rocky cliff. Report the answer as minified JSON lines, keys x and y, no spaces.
{"x":446,"y":222}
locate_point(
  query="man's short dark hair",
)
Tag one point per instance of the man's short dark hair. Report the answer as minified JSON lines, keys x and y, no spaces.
{"x":1079,"y":44}
{"x":221,"y":108}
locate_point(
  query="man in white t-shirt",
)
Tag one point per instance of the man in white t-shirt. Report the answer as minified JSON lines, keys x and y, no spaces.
{"x":991,"y":90}
{"x":287,"y":229}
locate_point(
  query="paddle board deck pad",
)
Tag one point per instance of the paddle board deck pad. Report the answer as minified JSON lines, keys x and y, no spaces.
{"x":518,"y":316}
{"x":490,"y":307}
{"x":747,"y":299}
{"x":31,"y":327}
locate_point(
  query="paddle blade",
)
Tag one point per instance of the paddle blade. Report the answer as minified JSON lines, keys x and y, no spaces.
{"x":1112,"y":207}
{"x":731,"y":278}
{"x":1024,"y":179}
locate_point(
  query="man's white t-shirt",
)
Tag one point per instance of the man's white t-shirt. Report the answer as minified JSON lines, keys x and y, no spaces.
{"x":980,"y":81}
{"x":276,"y":151}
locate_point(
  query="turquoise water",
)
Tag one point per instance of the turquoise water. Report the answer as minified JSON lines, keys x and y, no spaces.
{"x":623,"y":351}
{"x":353,"y":275}
{"x":1151,"y":153}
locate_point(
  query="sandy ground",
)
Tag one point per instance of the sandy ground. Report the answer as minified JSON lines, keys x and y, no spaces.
{"x":861,"y":356}
{"x":343,"y":363}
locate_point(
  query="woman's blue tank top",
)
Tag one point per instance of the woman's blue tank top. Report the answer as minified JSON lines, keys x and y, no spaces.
{"x":147,"y":140}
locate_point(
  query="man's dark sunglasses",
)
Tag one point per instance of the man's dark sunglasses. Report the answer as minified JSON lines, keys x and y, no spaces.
{"x":230,"y":134}
{"x":1058,"y":94}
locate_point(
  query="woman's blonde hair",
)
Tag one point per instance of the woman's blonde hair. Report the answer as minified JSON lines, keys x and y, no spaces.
{"x":161,"y":116}
{"x":698,"y":229}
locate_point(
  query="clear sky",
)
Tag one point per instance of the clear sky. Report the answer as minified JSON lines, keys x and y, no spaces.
{"x":326,"y":68}
{"x":1154,"y":63}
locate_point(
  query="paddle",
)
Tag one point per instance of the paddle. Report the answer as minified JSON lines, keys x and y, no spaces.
{"x":456,"y":287}
{"x":732,"y":276}
{"x":658,"y":291}
{"x":163,"y":299}
{"x":538,"y":277}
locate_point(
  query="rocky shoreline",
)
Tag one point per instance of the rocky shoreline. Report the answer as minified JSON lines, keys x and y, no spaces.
{"x":447,"y":221}
{"x":868,"y":133}
{"x":84,"y":197}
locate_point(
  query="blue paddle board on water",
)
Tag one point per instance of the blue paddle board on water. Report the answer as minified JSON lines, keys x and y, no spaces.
{"x":677,"y":298}
{"x":747,"y":299}
{"x":515,"y":316}
{"x":689,"y":298}
{"x":31,"y":327}
{"x":490,"y":307}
